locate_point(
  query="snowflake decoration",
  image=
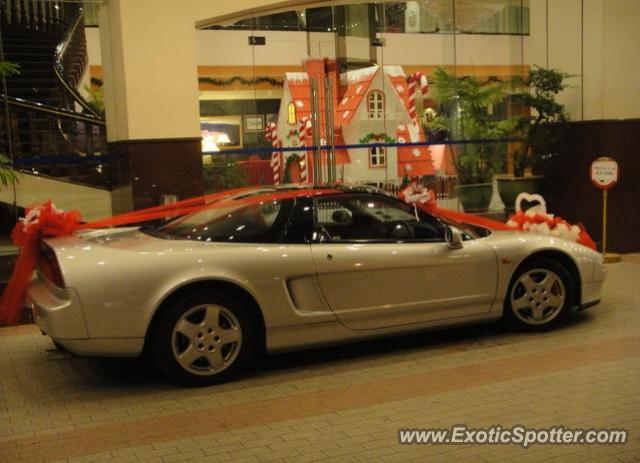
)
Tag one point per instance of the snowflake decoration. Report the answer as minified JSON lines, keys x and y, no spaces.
{"x":400,"y":88}
{"x":299,"y":104}
{"x":416,"y":152}
{"x":408,"y":167}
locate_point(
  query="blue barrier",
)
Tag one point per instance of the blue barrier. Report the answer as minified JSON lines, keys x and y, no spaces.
{"x":75,"y":159}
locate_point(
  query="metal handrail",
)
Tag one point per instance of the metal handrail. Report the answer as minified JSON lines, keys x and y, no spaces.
{"x":61,"y":50}
{"x":44,"y":108}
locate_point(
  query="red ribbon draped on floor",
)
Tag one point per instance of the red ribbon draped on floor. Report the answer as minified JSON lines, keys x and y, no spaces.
{"x":45,"y":221}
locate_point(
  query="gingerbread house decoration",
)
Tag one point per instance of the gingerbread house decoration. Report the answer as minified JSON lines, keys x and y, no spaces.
{"x":370,"y":105}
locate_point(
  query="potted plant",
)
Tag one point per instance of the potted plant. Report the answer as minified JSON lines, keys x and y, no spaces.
{"x":540,"y":133}
{"x":465,"y":115}
{"x":222,"y":174}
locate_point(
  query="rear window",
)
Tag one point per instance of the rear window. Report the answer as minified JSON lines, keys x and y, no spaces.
{"x":255,"y":223}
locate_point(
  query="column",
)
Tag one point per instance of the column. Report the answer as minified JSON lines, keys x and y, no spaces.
{"x":151,"y":101}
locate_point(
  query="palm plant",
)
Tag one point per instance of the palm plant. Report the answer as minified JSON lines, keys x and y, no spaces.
{"x":464,"y":116}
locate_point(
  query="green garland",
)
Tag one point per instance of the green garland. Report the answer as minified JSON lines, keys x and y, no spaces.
{"x":228,"y":82}
{"x":221,"y":82}
{"x":376,"y":137}
{"x":258,"y":80}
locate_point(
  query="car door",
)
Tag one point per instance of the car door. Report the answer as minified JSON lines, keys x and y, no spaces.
{"x":382,"y":264}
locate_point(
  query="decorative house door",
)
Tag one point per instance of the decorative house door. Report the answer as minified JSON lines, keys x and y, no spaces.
{"x":293,"y":169}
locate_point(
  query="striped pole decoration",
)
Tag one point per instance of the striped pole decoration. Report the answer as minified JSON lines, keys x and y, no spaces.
{"x":304,"y":131}
{"x":412,"y":82}
{"x":271,"y":134}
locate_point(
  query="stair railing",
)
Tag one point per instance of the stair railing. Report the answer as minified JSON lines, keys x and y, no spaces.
{"x":45,"y":16}
{"x":71,"y":62}
{"x":66,"y":141}
{"x":58,"y":143}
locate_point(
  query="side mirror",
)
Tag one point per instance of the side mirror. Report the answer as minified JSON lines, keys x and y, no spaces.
{"x":453,"y":238}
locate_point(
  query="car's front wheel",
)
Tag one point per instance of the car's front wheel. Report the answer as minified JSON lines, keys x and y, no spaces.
{"x":540,"y":295}
{"x":204,"y":338}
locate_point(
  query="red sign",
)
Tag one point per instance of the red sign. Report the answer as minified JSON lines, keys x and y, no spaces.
{"x":604,"y":172}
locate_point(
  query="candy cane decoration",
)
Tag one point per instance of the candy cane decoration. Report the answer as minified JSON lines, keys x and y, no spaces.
{"x":271,"y":134}
{"x":412,"y":81}
{"x":304,"y":131}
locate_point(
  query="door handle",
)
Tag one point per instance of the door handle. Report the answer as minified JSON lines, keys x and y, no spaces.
{"x":329,"y":257}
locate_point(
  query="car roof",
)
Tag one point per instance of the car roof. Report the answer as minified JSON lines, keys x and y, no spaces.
{"x":327,"y":188}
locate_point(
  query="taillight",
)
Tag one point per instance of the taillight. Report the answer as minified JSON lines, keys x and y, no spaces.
{"x":49,"y":266}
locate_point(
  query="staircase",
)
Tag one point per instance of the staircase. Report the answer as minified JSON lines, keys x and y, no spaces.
{"x":33,"y":52}
{"x":51,"y":131}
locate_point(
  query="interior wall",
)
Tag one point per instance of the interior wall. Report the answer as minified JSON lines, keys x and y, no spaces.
{"x":593,"y":60}
{"x":565,"y":50}
{"x":621,"y":59}
{"x":597,"y":42}
{"x":152,"y":83}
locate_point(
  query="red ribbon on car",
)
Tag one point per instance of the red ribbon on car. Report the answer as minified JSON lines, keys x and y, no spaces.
{"x":46,"y":221}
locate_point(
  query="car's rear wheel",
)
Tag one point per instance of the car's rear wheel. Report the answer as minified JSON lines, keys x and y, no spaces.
{"x":540,"y":295}
{"x":204,"y":338}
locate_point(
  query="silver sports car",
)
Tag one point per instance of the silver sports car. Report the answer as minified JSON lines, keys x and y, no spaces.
{"x":204,"y":292}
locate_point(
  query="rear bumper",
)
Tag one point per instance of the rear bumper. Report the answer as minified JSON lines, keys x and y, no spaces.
{"x":59,"y":314}
{"x":56,"y":311}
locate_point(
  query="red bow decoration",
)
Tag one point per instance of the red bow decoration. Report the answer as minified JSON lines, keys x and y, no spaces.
{"x":40,"y":221}
{"x":547,"y":224}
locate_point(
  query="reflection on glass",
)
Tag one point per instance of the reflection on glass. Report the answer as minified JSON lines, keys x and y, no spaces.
{"x":427,"y":16}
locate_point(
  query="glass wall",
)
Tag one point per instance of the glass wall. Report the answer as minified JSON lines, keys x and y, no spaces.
{"x":403,"y":90}
{"x":386,"y":91}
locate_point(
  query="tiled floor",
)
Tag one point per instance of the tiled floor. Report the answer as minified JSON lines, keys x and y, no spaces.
{"x":338,"y":404}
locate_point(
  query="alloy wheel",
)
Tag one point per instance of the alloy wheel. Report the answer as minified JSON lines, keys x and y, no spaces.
{"x":538,"y":296}
{"x":206,"y":339}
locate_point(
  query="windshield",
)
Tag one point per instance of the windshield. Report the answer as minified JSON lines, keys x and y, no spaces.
{"x":254,"y":223}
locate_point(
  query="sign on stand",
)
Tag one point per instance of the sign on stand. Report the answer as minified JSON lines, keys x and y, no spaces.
{"x":604,"y":175}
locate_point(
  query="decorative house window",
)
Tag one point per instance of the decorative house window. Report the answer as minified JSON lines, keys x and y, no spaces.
{"x":291,"y":114}
{"x":377,"y":156}
{"x":375,"y":105}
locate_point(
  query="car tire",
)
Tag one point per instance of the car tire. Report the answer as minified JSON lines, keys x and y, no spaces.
{"x":204,"y":338}
{"x":540,"y":295}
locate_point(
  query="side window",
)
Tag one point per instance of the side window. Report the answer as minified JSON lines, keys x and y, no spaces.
{"x":373,"y":218}
{"x":255,"y":223}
